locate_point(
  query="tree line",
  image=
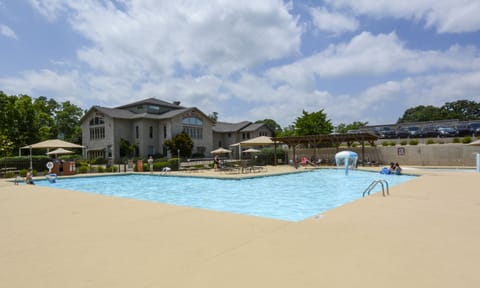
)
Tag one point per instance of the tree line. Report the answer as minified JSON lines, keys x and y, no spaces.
{"x":313,"y":123}
{"x":25,"y":120}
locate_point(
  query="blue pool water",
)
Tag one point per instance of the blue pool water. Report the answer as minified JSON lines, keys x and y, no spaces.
{"x":291,"y":197}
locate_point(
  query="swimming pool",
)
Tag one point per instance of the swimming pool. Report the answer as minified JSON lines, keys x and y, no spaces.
{"x":291,"y":197}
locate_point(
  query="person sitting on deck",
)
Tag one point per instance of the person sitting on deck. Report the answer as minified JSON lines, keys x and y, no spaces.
{"x":29,"y":177}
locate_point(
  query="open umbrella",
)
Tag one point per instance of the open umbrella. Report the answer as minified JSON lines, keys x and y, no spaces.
{"x":59,"y":151}
{"x":251,"y":150}
{"x":221,"y":151}
{"x":53,"y":143}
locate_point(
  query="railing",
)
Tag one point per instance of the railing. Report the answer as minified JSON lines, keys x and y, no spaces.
{"x":375,"y":183}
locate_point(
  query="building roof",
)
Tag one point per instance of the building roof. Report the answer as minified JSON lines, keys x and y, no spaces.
{"x":224,"y":127}
{"x":252,"y":127}
{"x":152,"y":101}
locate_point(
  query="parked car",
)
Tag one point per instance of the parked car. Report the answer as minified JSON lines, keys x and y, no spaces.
{"x":447,"y":132}
{"x":415,"y":131}
{"x":475,"y":128}
{"x":429,"y":131}
{"x":386,"y":132}
{"x":402,"y":133}
{"x":464,"y":130}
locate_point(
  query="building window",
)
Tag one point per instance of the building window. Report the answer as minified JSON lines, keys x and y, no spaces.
{"x":97,"y":120}
{"x":164,"y":131}
{"x":193,"y":132}
{"x":97,"y":133}
{"x":150,"y":132}
{"x":194,"y":121}
{"x":193,"y":127}
{"x":229,"y":135}
{"x":136,"y":132}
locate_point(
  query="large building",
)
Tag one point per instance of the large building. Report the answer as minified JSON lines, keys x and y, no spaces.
{"x":147,"y":124}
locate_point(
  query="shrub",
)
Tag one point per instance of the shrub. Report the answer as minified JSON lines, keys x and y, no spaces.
{"x":466,"y":140}
{"x":100,"y":169}
{"x":23,"y":172}
{"x":100,"y":161}
{"x":385,"y":143}
{"x":430,"y":141}
{"x":111,"y":169}
{"x":83,"y":169}
{"x":158,"y":166}
{"x":393,"y":143}
{"x":413,"y":142}
{"x":456,"y":140}
{"x":403,"y":142}
{"x":9,"y":174}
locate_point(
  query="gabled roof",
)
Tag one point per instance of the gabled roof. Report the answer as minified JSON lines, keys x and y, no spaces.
{"x":152,"y":101}
{"x":224,"y":127}
{"x":115,"y":113}
{"x":252,"y":127}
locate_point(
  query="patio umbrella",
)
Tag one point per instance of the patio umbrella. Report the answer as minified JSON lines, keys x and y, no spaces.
{"x":221,"y":151}
{"x":53,"y":143}
{"x":258,"y":141}
{"x":251,"y":150}
{"x":59,"y":151}
{"x":50,"y":144}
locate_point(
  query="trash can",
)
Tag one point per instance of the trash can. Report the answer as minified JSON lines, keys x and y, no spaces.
{"x":139,"y":165}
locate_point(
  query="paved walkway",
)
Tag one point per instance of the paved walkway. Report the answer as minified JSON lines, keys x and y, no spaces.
{"x":426,"y":234}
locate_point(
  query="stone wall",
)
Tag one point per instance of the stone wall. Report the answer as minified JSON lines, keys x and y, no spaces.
{"x":415,"y":155}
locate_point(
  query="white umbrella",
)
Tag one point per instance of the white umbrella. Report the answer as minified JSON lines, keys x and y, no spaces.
{"x":221,"y":151}
{"x":59,"y":151}
{"x":251,"y":150}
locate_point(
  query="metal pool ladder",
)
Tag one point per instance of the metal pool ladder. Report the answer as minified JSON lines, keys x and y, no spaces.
{"x":373,"y":184}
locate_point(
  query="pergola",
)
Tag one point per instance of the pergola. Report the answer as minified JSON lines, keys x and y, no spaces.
{"x":326,"y":140}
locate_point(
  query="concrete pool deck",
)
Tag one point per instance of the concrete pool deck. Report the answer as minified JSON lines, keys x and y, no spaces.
{"x":426,"y":234}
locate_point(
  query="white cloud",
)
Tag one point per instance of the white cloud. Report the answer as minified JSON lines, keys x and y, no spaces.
{"x":373,"y":55}
{"x":64,"y":86}
{"x":336,"y":23}
{"x":7,"y":32}
{"x":445,"y":16}
{"x":161,"y":36}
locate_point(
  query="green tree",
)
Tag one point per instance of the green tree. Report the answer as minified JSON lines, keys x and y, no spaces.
{"x":181,"y":142}
{"x":422,"y":113}
{"x":45,"y":114}
{"x":313,"y":124}
{"x":287,"y":131}
{"x":343,"y":128}
{"x":126,"y":148}
{"x":26,"y":126}
{"x":213,"y":116}
{"x":462,"y":110}
{"x":270,"y":123}
{"x":68,"y":122}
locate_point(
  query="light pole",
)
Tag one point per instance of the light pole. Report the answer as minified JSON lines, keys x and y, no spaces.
{"x":30,"y":147}
{"x":178,"y":154}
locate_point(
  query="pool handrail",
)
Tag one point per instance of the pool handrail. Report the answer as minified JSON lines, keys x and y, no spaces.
{"x":373,"y":184}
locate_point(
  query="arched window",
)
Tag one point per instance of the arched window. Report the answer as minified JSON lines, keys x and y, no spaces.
{"x":193,"y":121}
{"x":193,"y":127}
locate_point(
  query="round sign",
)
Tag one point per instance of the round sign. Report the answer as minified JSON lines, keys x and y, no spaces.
{"x":49,"y":164}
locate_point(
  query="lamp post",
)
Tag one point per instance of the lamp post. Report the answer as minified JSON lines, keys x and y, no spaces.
{"x":30,"y":147}
{"x":178,"y":154}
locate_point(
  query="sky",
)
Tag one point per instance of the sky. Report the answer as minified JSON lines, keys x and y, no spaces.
{"x":357,"y":60}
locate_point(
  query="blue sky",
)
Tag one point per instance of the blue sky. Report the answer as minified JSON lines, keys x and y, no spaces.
{"x":358,"y":60}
